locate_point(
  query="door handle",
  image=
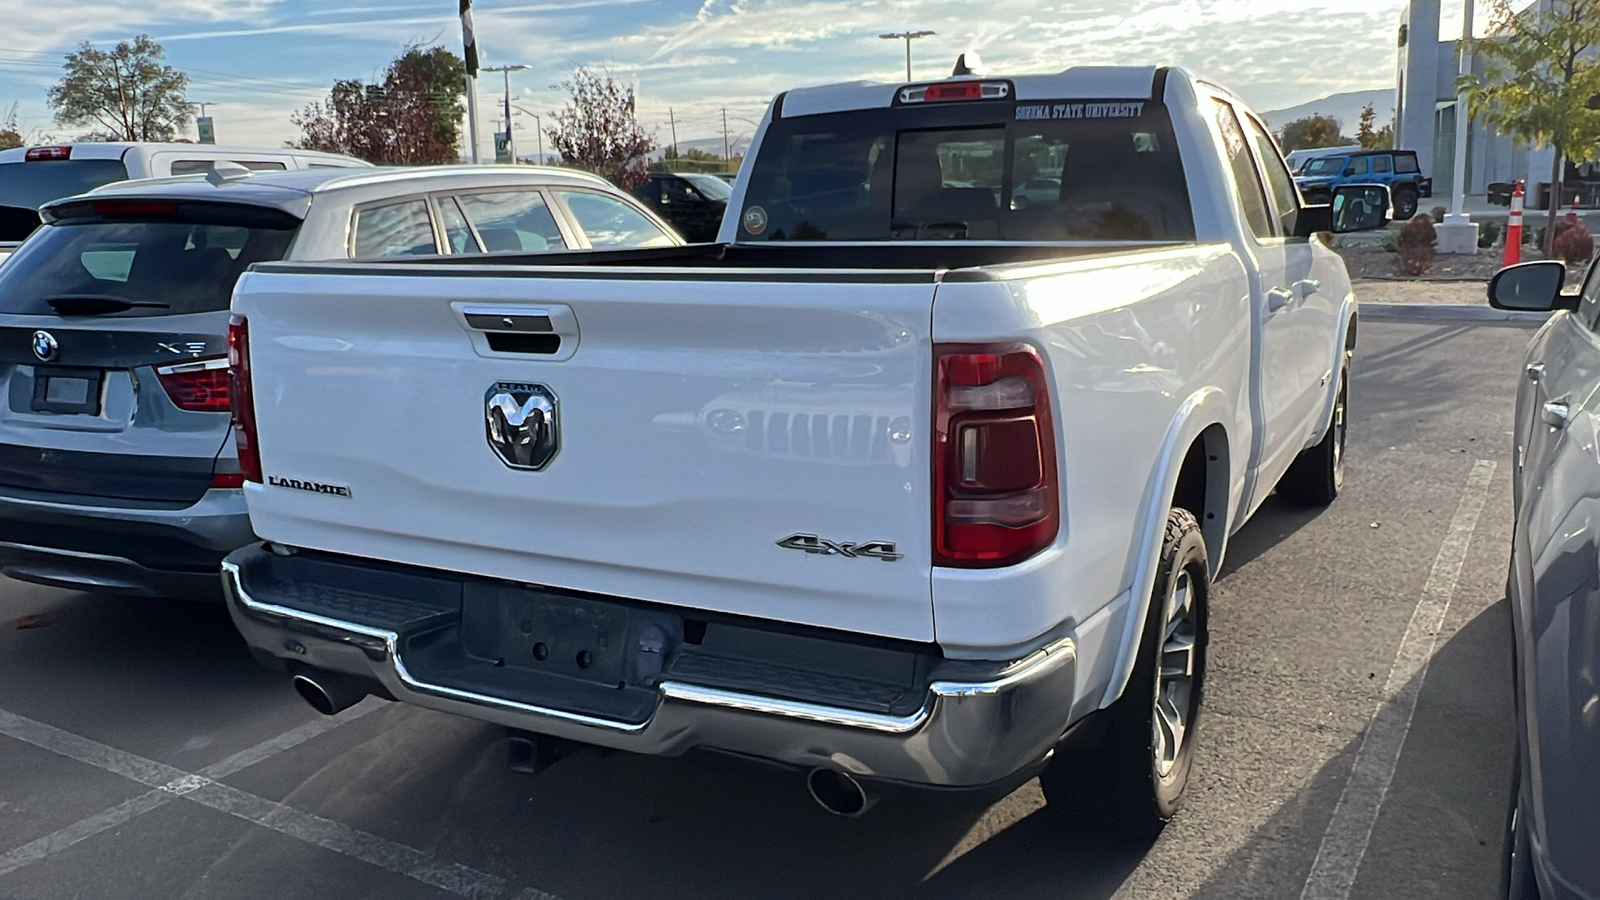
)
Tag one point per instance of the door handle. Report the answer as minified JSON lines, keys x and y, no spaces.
{"x":1555,"y":413}
{"x":1535,"y":371}
{"x":1278,"y":298}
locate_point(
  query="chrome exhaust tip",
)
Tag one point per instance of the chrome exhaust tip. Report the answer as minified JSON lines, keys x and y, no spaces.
{"x":838,"y":792}
{"x":330,"y":693}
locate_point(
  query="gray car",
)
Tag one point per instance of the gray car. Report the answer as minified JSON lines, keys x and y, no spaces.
{"x":117,"y":467}
{"x":1554,"y":588}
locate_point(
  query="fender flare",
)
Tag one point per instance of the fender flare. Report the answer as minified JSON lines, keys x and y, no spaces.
{"x":1203,"y":409}
{"x":1349,"y":316}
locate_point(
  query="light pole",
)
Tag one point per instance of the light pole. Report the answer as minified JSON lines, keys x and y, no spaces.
{"x":538,"y":131}
{"x":1458,"y":233}
{"x":908,"y":37}
{"x":511,"y":145}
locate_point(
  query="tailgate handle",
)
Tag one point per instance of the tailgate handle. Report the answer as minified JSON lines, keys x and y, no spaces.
{"x":549,"y":330}
{"x":497,"y":320}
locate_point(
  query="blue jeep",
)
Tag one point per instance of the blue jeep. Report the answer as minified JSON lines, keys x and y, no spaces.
{"x":1396,"y":168}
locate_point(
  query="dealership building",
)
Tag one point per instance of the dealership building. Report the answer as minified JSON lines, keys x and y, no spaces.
{"x":1425,"y":119}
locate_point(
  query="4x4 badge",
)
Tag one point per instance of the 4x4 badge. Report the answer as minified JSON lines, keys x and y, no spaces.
{"x":810,"y":543}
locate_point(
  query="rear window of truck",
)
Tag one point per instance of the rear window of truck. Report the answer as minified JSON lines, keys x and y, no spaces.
{"x":1029,"y":171}
{"x":26,"y":186}
{"x":140,"y":266}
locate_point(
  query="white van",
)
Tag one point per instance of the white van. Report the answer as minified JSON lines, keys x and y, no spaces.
{"x":1297,"y":159}
{"x":30,"y":177}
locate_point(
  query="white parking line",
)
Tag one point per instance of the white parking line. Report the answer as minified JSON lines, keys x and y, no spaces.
{"x":1345,"y":842}
{"x":171,"y":783}
{"x":86,"y":828}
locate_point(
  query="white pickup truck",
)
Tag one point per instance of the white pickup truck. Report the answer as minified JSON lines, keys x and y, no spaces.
{"x":920,"y":475}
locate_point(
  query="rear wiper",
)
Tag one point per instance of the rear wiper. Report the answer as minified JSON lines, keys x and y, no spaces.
{"x":99,"y":304}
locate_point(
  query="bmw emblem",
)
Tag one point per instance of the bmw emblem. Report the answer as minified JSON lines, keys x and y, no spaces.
{"x":45,"y":346}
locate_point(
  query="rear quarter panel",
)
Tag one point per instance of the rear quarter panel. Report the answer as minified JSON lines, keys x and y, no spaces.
{"x":1145,"y":350}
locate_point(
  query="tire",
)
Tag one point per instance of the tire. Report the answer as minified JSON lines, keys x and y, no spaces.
{"x":1132,"y":782}
{"x":1405,"y":204}
{"x":1317,"y":474}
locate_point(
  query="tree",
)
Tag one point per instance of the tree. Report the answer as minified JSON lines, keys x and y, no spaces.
{"x":411,"y":118}
{"x":599,"y":129}
{"x":1539,"y":77}
{"x":126,"y":92}
{"x":1311,"y":133}
{"x":1373,"y":138}
{"x":10,"y":134}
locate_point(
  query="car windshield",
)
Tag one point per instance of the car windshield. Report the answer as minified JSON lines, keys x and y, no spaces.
{"x":1327,"y":165}
{"x":26,"y":186}
{"x":136,"y":267}
{"x":711,"y":186}
{"x":1040,"y":172}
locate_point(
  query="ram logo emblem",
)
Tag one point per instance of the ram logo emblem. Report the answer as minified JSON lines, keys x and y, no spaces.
{"x":522,"y":424}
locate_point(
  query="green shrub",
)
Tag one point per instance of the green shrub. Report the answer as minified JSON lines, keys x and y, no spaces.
{"x":1439,"y":213}
{"x":1489,"y":233}
{"x":1417,"y":241}
{"x":1389,"y":240}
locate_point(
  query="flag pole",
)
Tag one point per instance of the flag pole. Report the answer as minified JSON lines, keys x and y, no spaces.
{"x":470,"y":57}
{"x":472,"y":115}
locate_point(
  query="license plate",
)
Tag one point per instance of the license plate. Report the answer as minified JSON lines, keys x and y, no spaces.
{"x":546,"y":632}
{"x":66,"y":391}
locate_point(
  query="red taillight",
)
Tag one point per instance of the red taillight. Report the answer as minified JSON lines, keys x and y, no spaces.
{"x":244,"y":407}
{"x":199,"y":386}
{"x":134,"y":207}
{"x":35,"y":154}
{"x":961,"y":90}
{"x":955,"y":90}
{"x":995,"y":493}
{"x":227,"y":480}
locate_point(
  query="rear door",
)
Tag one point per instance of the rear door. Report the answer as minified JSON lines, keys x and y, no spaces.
{"x":1283,"y":327}
{"x":712,"y":440}
{"x":112,"y":326}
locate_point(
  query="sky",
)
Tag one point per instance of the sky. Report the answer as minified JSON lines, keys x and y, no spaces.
{"x":260,"y":60}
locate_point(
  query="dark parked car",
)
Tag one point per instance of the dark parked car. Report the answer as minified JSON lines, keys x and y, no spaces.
{"x":1396,"y":168}
{"x":1554,"y":588}
{"x":693,"y":203}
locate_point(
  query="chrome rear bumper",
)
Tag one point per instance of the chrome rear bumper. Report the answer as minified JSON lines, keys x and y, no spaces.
{"x":965,"y":734}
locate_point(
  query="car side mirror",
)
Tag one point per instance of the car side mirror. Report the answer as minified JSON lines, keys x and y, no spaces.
{"x":1355,"y":207}
{"x":1530,"y":287}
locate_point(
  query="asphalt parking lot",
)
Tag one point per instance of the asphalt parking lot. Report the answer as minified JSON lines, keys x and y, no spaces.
{"x":1356,"y":741}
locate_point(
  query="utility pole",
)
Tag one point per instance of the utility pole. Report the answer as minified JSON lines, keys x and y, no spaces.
{"x":908,"y":37}
{"x":727,"y":152}
{"x":511,"y":144}
{"x":674,"y":120}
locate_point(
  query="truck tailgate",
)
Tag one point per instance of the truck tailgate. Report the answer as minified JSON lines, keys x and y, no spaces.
{"x":701,"y":417}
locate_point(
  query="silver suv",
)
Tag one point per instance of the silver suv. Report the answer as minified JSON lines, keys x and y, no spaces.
{"x":117,"y":471}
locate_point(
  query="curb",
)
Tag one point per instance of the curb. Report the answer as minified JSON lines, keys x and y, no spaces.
{"x":1446,"y":312}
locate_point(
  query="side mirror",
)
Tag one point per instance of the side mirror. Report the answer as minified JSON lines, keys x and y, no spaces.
{"x":1360,"y":207}
{"x":1530,"y":287}
{"x":1354,"y":207}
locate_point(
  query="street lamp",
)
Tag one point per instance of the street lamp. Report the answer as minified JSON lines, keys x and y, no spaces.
{"x":511,"y":145}
{"x":908,"y":37}
{"x":538,"y":132}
